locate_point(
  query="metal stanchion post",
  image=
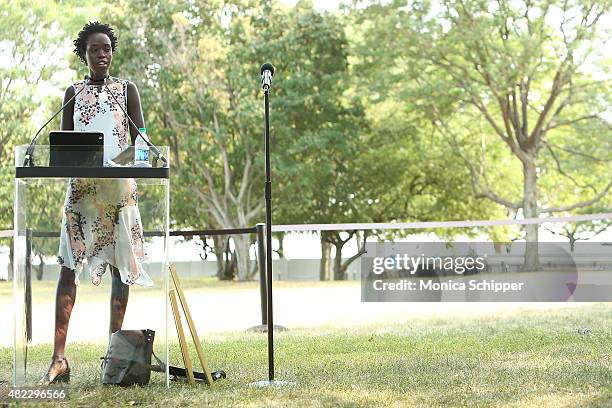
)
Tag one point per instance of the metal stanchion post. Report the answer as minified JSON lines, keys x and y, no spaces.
{"x":261,"y":259}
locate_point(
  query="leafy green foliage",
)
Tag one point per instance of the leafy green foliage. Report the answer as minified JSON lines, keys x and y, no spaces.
{"x":506,"y":88}
{"x":385,"y":111}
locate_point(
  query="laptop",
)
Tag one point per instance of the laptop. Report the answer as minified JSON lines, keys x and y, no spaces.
{"x":69,"y":148}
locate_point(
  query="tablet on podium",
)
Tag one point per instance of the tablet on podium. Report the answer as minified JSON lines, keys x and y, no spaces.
{"x":73,"y":148}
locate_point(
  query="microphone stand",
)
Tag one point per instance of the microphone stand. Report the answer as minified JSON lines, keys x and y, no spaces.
{"x":267,"y":71}
{"x":153,"y":148}
{"x":268,"y":197}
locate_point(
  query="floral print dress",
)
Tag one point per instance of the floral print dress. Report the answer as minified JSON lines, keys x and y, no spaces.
{"x":101,"y":222}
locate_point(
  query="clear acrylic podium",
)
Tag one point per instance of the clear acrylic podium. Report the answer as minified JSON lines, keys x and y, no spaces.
{"x":40,"y":191}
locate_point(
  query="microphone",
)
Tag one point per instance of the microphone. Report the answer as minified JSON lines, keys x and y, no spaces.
{"x":152,"y":147}
{"x":267,"y":71}
{"x":28,"y":160}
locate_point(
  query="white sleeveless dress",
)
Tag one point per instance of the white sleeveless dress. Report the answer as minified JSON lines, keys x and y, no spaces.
{"x":101,"y":222}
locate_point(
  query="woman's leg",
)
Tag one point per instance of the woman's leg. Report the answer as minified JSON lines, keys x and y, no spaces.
{"x":64,"y":302}
{"x":65,"y":297}
{"x":119,"y":299}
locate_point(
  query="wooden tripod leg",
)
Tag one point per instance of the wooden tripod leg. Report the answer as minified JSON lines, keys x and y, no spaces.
{"x":194,"y":334}
{"x":181,"y":336}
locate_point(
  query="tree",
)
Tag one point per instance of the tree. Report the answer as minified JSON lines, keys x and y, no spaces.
{"x":196,"y":88}
{"x":318,"y":130}
{"x":26,"y":30}
{"x":493,"y":76}
{"x":203,"y":95}
{"x":583,"y":230}
{"x":34,"y":42}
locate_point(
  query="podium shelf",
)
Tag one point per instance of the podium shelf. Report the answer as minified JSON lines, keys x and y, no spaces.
{"x":93,"y":172}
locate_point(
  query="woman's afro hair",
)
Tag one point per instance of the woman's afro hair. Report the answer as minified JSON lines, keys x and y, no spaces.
{"x":80,"y":44}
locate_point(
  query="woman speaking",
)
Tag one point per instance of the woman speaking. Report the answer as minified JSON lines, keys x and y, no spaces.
{"x":101,"y":224}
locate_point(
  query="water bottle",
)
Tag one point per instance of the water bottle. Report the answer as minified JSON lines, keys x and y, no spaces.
{"x":141,"y":150}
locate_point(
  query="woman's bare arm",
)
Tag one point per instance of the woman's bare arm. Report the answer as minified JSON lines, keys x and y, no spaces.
{"x":67,"y":115}
{"x":134,"y":110}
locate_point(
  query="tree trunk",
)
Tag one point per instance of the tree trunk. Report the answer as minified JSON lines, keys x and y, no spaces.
{"x":340,"y":267}
{"x":220,"y":243}
{"x":361,"y":249}
{"x":281,"y":247}
{"x":10,"y":275}
{"x":242,"y":244}
{"x":530,"y":210}
{"x":572,"y":242}
{"x":41,"y":268}
{"x":338,"y":270}
{"x":324,"y":268}
{"x":230,"y":265}
{"x":255,"y":265}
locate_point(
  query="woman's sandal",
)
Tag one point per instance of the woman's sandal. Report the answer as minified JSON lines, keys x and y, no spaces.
{"x":56,"y":377}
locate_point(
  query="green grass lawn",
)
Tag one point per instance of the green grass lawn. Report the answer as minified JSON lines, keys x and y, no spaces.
{"x":533,"y":359}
